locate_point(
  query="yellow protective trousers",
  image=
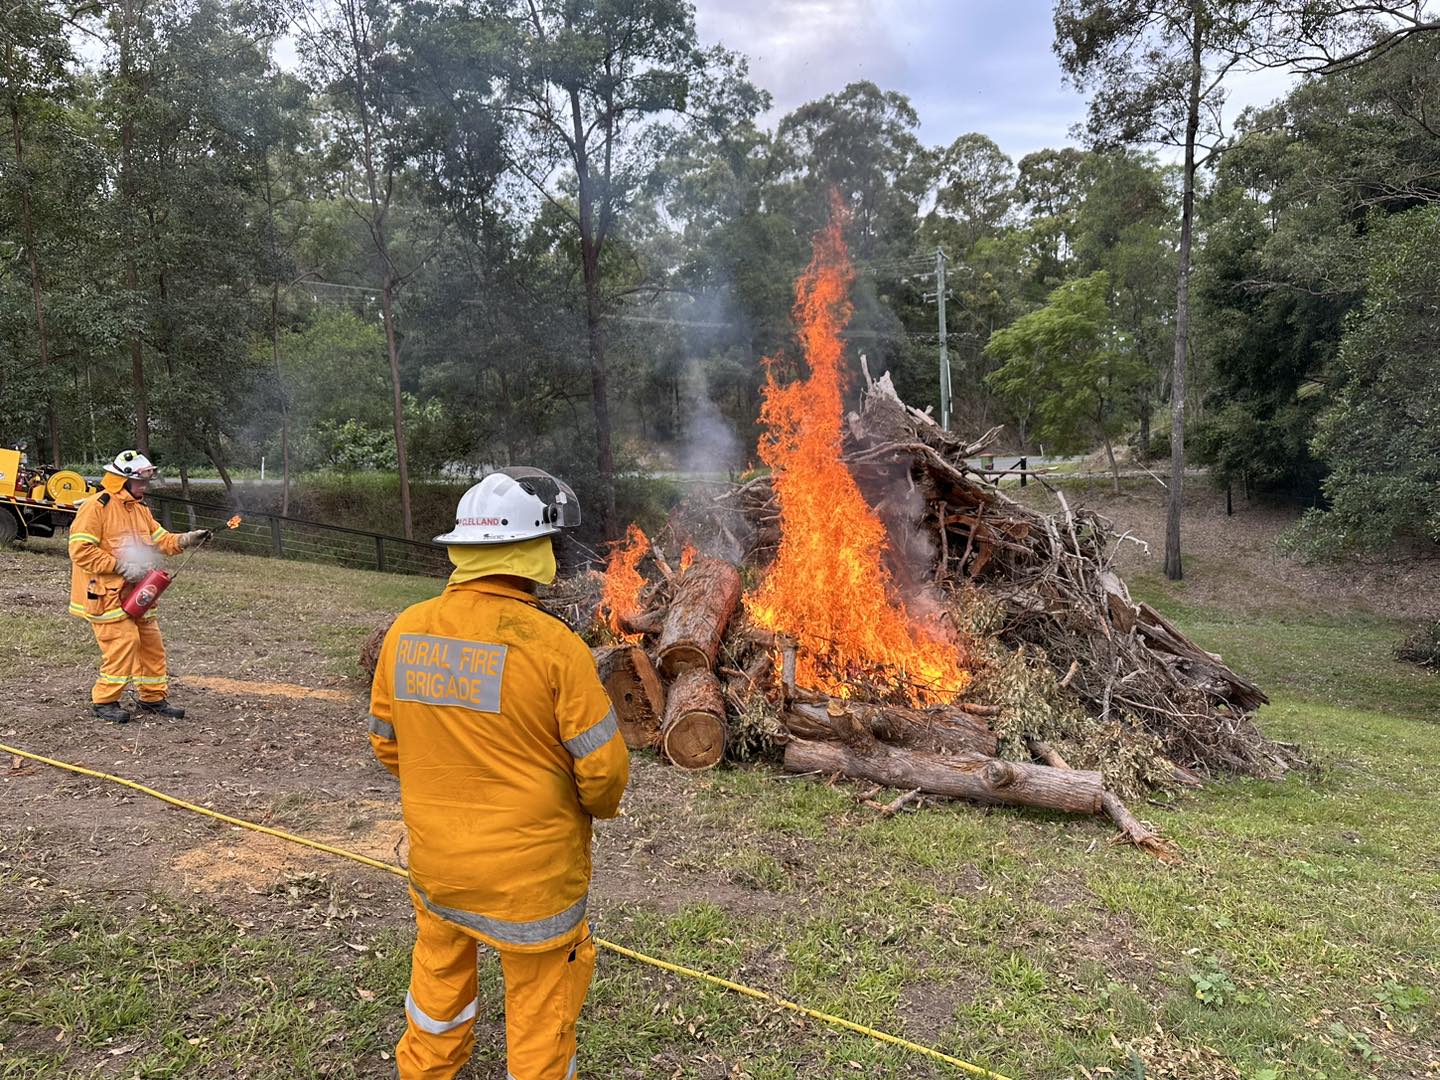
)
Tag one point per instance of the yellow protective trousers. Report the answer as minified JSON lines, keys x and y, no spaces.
{"x":544,"y":992}
{"x":131,"y":654}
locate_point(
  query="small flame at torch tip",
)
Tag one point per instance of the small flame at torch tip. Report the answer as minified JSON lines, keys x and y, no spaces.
{"x":234,"y":522}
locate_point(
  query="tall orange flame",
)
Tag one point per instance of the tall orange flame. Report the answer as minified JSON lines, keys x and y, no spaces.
{"x":623,"y":582}
{"x":828,"y":587}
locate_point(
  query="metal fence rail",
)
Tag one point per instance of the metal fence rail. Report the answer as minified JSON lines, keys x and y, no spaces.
{"x":282,"y":537}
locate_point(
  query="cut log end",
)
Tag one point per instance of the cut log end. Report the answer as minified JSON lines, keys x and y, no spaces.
{"x":635,"y":692}
{"x":695,"y":740}
{"x":684,"y":657}
{"x":694,"y":732}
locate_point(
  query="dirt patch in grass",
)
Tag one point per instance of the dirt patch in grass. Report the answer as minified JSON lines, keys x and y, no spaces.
{"x":257,"y":861}
{"x":251,"y":688}
{"x":927,"y":1007}
{"x":249,"y":861}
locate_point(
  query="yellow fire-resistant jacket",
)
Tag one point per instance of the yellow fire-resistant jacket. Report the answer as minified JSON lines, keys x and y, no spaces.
{"x":490,"y":712}
{"x":104,"y":525}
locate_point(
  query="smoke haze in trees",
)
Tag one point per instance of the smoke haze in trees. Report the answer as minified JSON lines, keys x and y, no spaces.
{"x":711,"y":446}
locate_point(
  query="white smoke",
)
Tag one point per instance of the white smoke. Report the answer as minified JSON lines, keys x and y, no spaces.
{"x":711,"y":447}
{"x":136,"y":552}
{"x":913,"y":550}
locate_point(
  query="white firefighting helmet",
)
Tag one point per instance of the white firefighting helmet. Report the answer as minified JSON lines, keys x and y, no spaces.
{"x":132,"y":465}
{"x":511,"y":505}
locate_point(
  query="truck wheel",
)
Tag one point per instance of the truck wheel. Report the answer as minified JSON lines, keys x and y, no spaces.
{"x":9,"y":526}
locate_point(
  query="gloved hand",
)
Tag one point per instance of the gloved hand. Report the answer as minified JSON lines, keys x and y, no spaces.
{"x":198,"y":536}
{"x":130,"y":571}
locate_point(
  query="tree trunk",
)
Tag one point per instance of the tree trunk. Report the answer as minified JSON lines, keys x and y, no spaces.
{"x":284,"y":399}
{"x":361,"y":43}
{"x":962,"y":776}
{"x":635,"y":692}
{"x":212,"y":451}
{"x":591,"y":244}
{"x":939,"y":730}
{"x":1173,"y":569}
{"x":705,"y":600}
{"x":694,"y":731}
{"x":1145,"y":425}
{"x":397,"y":401}
{"x":1114,"y":468}
{"x":185,"y":494}
{"x":27,"y":224}
{"x":139,"y":400}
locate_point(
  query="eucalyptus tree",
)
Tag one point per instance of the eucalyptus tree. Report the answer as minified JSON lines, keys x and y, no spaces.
{"x":590,"y":92}
{"x":861,"y":142}
{"x":1155,"y":70}
{"x":350,"y":55}
{"x":35,"y":68}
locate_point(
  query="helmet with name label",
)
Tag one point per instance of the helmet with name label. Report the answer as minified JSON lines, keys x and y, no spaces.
{"x":514,"y":504}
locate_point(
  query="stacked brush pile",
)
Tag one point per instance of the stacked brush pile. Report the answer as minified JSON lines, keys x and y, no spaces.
{"x":1078,"y":697}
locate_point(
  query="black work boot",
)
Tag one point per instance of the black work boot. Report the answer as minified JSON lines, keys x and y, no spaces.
{"x":162,"y":708}
{"x":112,"y":711}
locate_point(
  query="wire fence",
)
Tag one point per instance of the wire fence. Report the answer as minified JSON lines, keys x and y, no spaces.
{"x":281,"y":537}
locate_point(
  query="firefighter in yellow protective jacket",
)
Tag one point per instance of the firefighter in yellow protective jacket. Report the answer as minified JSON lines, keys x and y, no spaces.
{"x":114,"y":539}
{"x":490,"y":712}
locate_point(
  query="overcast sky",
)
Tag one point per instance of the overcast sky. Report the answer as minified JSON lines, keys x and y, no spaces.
{"x":967,"y":65}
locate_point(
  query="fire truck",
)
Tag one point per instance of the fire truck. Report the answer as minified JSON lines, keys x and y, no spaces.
{"x":37,"y":500}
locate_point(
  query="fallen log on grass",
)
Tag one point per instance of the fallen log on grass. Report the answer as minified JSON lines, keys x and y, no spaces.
{"x":970,"y":776}
{"x":694,"y":731}
{"x":635,"y":692}
{"x":1130,"y":826}
{"x":705,"y":599}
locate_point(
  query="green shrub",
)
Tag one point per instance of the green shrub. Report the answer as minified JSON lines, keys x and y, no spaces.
{"x":1422,"y":647}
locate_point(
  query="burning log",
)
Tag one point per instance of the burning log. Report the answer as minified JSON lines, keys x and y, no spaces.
{"x":704,"y":601}
{"x":635,"y":692}
{"x":649,"y":622}
{"x":940,"y":729}
{"x":694,"y":731}
{"x":976,"y":777}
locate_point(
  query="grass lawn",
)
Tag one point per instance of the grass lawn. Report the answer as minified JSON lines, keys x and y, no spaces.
{"x":1300,"y":937}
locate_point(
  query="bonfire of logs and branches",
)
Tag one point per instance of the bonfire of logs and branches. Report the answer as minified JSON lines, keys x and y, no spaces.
{"x":1081,"y":696}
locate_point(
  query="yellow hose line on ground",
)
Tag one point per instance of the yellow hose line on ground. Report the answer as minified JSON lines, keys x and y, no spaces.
{"x":620,"y":950}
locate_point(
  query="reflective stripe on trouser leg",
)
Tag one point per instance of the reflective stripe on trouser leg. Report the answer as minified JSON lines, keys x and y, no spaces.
{"x":151,"y":682}
{"x":544,"y":993}
{"x":119,"y":659}
{"x":440,"y":1007}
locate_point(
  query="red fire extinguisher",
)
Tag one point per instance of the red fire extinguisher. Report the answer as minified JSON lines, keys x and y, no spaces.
{"x":145,"y":592}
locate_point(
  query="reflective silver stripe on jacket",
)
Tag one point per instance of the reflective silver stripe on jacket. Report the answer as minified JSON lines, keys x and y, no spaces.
{"x":534,"y":932}
{"x":425,"y":1022}
{"x":382,"y":728}
{"x":591,"y":739}
{"x":569,"y":1073}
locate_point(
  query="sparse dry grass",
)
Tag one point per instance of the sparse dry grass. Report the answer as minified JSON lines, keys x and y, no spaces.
{"x":1299,"y":938}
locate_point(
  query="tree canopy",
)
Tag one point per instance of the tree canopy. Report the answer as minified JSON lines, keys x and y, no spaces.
{"x":437,"y":237}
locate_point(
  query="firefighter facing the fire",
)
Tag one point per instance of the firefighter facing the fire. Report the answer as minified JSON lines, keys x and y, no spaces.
{"x":114,"y":540}
{"x":490,"y":712}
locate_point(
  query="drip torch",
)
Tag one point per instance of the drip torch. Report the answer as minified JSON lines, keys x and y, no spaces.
{"x":141,"y":596}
